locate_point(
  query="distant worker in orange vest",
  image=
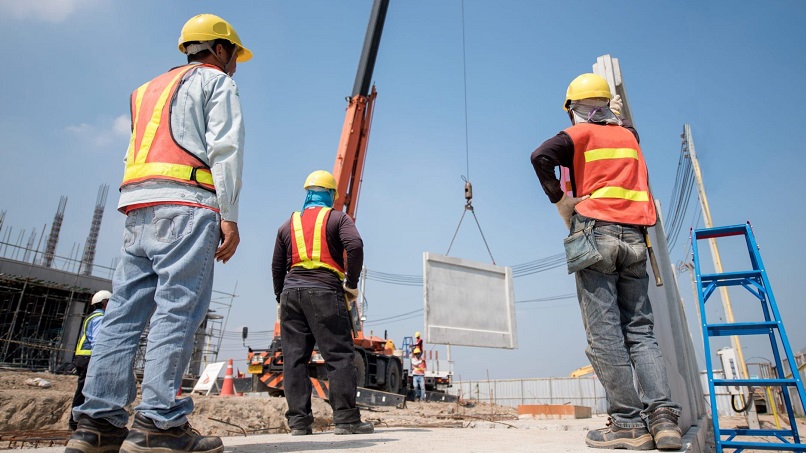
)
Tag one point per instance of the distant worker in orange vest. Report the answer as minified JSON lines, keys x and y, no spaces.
{"x":418,"y":368}
{"x":180,"y":192}
{"x":312,"y":286}
{"x":418,"y":342}
{"x":606,"y":218}
{"x":89,"y":332}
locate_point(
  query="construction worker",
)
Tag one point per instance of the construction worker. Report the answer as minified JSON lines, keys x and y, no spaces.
{"x":89,"y":332}
{"x":418,"y":368}
{"x":313,"y":286}
{"x":606,"y":215}
{"x":418,"y":342}
{"x":180,"y":191}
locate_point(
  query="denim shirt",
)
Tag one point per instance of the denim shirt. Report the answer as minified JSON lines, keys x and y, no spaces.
{"x":206,"y":120}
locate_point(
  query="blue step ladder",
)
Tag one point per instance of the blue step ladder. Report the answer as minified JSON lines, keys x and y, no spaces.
{"x":406,"y":346}
{"x":756,"y":282}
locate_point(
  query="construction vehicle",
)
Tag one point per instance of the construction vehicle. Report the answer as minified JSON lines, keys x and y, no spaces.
{"x":582,"y":371}
{"x":377,"y":366}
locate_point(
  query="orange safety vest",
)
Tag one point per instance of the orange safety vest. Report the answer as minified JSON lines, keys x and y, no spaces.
{"x":308,"y":232}
{"x":609,"y":166}
{"x":153,"y":153}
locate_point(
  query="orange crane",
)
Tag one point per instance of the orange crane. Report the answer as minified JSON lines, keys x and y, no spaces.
{"x":377,"y":367}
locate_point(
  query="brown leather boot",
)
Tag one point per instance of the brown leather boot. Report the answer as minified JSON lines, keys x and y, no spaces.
{"x":613,"y":437}
{"x":664,"y":429}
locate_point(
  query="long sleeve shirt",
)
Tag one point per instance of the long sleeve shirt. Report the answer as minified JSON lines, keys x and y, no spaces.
{"x":206,"y":120}
{"x":92,"y":329}
{"x":342,"y":236}
{"x":559,"y":151}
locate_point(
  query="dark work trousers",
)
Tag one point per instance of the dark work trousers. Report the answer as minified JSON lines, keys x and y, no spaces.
{"x":317,"y":316}
{"x":81,"y":363}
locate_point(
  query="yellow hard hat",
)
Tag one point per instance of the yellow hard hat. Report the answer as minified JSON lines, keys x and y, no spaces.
{"x":209,"y":27}
{"x":417,"y":334}
{"x":322,"y":178}
{"x":417,"y":351}
{"x":587,"y":86}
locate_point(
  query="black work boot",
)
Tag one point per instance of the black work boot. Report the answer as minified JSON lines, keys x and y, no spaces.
{"x":145,"y":437}
{"x":301,"y":431}
{"x":95,"y":436}
{"x":355,"y":428}
{"x":664,"y":429}
{"x":616,"y":437}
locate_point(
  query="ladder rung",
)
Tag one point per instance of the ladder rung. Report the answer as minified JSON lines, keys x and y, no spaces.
{"x":730,"y":276}
{"x":755,"y":432}
{"x":753,"y":382}
{"x":741,"y":328}
{"x":776,"y":446}
{"x":718,"y":232}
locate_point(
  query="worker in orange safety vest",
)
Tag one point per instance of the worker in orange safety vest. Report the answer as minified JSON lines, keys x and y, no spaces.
{"x":606,"y":215}
{"x":313,"y":285}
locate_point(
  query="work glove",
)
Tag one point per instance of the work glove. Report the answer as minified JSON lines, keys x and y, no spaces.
{"x":566,"y":207}
{"x":616,"y":105}
{"x":350,"y":293}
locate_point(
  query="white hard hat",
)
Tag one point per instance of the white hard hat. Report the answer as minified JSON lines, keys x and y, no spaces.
{"x":101,"y":296}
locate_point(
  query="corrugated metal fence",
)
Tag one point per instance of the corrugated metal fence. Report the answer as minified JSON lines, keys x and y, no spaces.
{"x":584,"y":391}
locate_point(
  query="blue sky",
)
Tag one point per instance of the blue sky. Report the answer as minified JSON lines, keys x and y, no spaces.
{"x":732,"y":70}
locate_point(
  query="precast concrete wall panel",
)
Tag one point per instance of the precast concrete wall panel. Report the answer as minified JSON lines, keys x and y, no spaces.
{"x":468,"y":303}
{"x":512,"y":392}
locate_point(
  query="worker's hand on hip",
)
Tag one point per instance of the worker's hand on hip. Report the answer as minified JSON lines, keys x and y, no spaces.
{"x":229,"y":241}
{"x":566,"y":207}
{"x":350,"y":293}
{"x":616,"y":104}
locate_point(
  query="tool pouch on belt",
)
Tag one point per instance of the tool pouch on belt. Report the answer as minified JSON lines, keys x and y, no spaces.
{"x":580,"y":245}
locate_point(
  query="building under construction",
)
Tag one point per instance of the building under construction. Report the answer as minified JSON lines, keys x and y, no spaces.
{"x":44,"y":298}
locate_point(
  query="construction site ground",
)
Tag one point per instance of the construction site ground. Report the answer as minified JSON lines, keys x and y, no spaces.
{"x":36,"y":418}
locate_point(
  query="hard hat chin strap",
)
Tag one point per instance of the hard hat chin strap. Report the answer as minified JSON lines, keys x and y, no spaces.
{"x":198,"y":47}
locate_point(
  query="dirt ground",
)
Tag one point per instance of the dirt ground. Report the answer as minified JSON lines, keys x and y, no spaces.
{"x":27,"y":408}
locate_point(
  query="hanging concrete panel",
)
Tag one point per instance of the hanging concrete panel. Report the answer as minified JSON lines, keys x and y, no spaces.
{"x":468,"y":303}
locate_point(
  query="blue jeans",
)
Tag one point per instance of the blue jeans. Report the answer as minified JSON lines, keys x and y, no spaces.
{"x":165,"y":275}
{"x":618,"y":320}
{"x":418,"y":382}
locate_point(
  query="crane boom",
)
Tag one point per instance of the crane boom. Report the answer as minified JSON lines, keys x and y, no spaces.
{"x":352,"y":149}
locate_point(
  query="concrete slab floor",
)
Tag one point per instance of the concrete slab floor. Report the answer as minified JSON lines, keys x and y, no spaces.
{"x":550,"y":436}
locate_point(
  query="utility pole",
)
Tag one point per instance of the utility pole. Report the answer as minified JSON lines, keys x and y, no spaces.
{"x":688,"y":142}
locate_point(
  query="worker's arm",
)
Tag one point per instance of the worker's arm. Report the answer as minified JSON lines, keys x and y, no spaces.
{"x":554,"y":152}
{"x":354,"y":247}
{"x":628,"y":125}
{"x":224,"y":137}
{"x":280,"y":259}
{"x":92,"y":330}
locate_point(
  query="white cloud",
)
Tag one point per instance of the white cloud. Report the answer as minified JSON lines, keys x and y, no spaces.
{"x":46,"y":10}
{"x":105,"y":132}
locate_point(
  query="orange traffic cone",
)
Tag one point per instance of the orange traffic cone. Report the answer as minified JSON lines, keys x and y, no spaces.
{"x":228,"y":389}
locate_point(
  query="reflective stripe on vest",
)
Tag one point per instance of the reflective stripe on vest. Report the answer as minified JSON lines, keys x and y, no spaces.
{"x":153,"y":153}
{"x":609,"y":166}
{"x":304,"y":231}
{"x":84,"y":347}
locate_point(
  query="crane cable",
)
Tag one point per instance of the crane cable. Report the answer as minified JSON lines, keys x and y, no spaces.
{"x":468,"y":187}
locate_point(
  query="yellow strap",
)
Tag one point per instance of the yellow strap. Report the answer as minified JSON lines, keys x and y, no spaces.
{"x":79,"y":348}
{"x":178,"y":171}
{"x":610,"y":153}
{"x":156,"y":116}
{"x":299,"y":235}
{"x":317,"y":235}
{"x":138,"y":99}
{"x":620,"y":192}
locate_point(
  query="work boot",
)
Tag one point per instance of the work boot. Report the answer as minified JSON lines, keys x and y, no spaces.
{"x":355,"y":428}
{"x":614,"y":437}
{"x":301,"y":431}
{"x":664,"y":429}
{"x":145,"y":437}
{"x":95,"y":436}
